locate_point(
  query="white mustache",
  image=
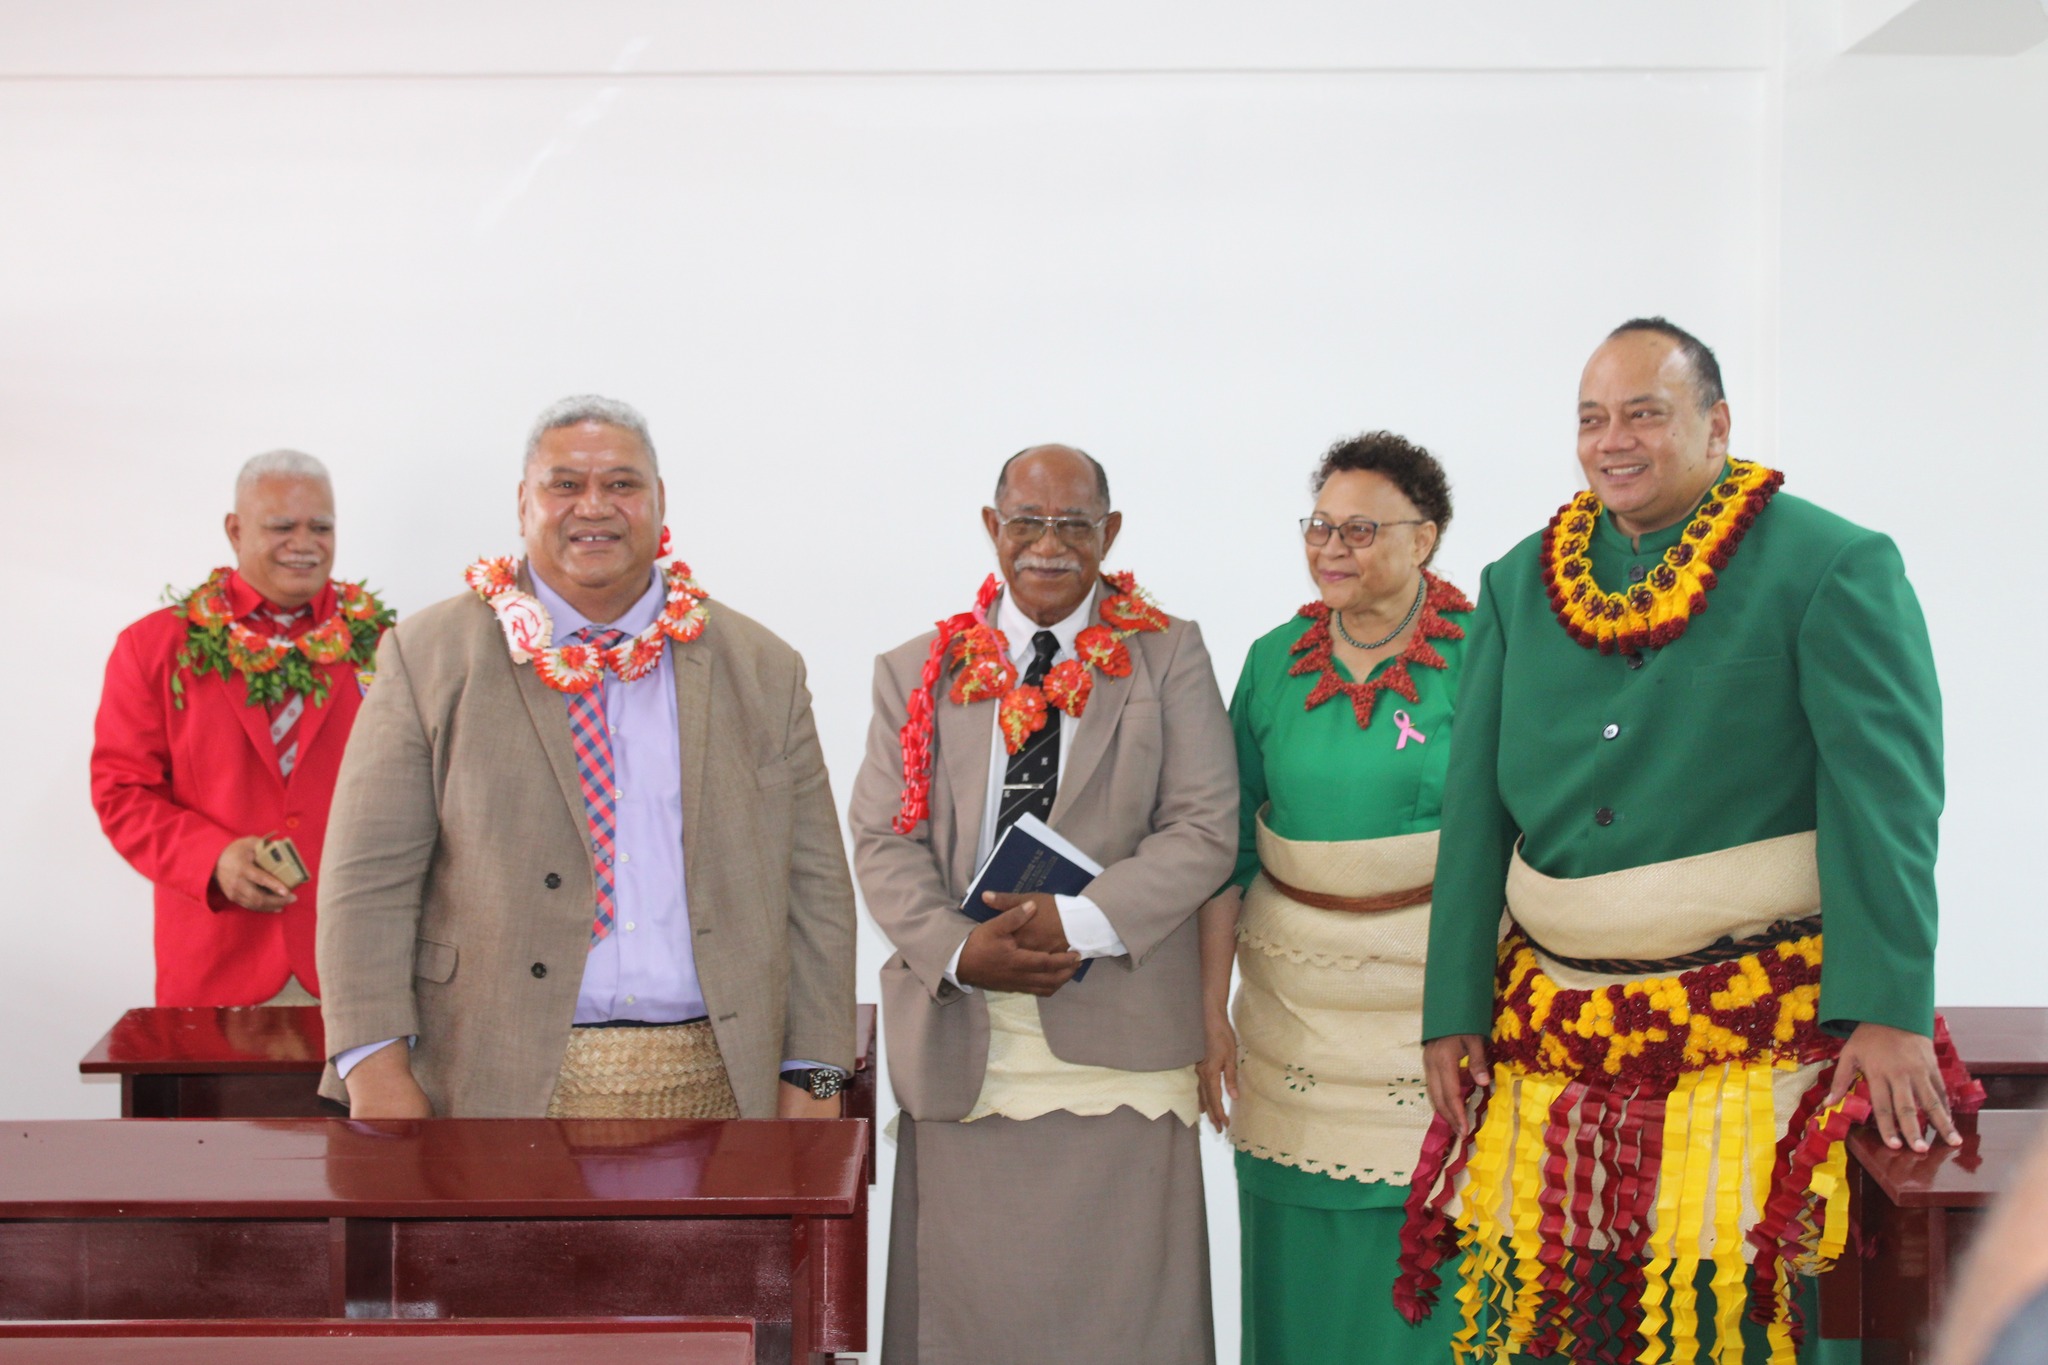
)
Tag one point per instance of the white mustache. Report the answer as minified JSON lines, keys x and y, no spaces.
{"x":1052,"y":563}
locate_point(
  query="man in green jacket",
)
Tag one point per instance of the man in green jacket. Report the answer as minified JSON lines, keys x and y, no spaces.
{"x":1695,"y":712}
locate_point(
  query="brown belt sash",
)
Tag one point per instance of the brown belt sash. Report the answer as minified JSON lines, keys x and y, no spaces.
{"x":1359,"y":905}
{"x":1723,"y":949}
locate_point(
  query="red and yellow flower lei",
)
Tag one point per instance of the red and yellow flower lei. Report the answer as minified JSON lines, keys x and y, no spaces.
{"x":275,"y":665}
{"x":1318,"y":652}
{"x":529,"y":630}
{"x":1656,"y":611}
{"x":980,"y":655}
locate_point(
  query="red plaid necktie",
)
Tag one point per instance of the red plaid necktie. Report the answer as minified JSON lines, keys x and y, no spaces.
{"x":285,"y":713}
{"x":593,"y":743}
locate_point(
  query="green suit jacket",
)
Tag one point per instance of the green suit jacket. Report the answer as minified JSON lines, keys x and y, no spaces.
{"x":1802,"y":698}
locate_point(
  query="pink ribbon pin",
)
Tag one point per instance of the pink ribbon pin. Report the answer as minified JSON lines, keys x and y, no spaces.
{"x":1408,"y":731}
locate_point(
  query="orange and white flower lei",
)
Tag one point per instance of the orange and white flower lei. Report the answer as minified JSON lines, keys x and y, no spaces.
{"x":1656,"y":611}
{"x":572,"y":668}
{"x":980,"y":657}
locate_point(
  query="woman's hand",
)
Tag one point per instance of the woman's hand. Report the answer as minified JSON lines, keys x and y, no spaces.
{"x":1217,"y":1071}
{"x":1444,"y":1060}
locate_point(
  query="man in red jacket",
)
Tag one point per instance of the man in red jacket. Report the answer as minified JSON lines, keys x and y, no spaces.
{"x":221,"y":724}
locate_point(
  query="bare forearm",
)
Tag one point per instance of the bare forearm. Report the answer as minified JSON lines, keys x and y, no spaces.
{"x":1219,"y":948}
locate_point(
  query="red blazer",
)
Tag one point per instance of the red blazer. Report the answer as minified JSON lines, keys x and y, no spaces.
{"x":174,"y":787}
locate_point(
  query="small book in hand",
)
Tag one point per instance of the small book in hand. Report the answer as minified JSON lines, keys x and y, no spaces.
{"x":1030,"y":857}
{"x":280,"y":858}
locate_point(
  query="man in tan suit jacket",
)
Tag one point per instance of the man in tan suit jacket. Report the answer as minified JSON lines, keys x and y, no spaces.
{"x":1048,"y":1200}
{"x":628,"y":901}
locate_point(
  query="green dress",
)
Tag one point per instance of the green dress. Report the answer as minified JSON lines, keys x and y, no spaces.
{"x":1319,"y":1252}
{"x":1802,"y":698}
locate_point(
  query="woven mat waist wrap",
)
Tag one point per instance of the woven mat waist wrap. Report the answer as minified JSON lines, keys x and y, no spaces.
{"x":673,"y":1071}
{"x":1668,"y":909}
{"x":1328,"y":1014}
{"x":1024,"y":1079}
{"x":1644,"y":1126}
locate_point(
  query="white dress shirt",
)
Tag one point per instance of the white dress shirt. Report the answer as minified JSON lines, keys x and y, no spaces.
{"x":1088,"y":930}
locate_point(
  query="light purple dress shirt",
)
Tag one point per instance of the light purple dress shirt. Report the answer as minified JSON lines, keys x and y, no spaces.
{"x":645,"y":968}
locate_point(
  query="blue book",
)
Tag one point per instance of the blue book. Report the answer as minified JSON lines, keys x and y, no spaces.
{"x":1030,"y":857}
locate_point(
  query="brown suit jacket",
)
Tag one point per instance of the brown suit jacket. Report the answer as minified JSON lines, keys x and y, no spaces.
{"x":458,"y":891}
{"x":1148,"y":789}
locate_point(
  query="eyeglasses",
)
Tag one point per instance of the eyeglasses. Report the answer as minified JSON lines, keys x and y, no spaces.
{"x":1358,"y":533}
{"x":1075,"y":531}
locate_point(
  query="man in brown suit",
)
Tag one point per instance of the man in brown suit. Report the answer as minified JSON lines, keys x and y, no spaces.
{"x":583,"y":852}
{"x":1048,"y":1200}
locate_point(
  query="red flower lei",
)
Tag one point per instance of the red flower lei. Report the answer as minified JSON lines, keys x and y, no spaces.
{"x":1318,"y":652}
{"x":980,"y":657}
{"x":274,"y":665}
{"x":529,"y":630}
{"x":1656,"y":611}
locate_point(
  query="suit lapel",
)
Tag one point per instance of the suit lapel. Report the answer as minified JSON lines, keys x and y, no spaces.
{"x":255,"y":722}
{"x":314,"y":718}
{"x":549,"y":712}
{"x":692,"y":669}
{"x":1092,"y":732}
{"x":963,"y":733}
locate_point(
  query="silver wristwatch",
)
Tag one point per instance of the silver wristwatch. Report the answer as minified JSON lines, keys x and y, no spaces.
{"x":819,"y":1082}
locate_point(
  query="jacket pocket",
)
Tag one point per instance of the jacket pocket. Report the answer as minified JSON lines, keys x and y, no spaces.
{"x":1743,"y":672}
{"x":433,"y":961}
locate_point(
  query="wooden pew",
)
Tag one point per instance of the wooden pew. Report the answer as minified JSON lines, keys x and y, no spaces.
{"x":1916,"y":1214}
{"x":442,"y":1218}
{"x":265,"y":1062}
{"x":504,"y":1341}
{"x":2005,"y":1047}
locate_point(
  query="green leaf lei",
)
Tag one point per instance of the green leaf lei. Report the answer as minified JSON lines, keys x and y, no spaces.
{"x":216,"y":643}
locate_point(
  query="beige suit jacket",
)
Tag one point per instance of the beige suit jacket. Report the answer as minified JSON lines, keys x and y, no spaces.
{"x":458,"y":887}
{"x":1148,"y":789}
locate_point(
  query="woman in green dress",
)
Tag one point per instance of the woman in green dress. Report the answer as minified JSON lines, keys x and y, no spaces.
{"x":1343,"y":721}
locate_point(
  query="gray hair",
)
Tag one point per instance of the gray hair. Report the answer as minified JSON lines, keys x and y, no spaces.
{"x":280,"y":464}
{"x":589,"y":407}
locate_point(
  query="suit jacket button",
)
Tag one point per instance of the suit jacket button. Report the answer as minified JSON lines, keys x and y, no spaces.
{"x":1602,"y":817}
{"x":552,"y":880}
{"x":540,"y":969}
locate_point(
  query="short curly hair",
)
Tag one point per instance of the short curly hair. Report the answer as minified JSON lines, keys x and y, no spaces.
{"x":1408,"y":466}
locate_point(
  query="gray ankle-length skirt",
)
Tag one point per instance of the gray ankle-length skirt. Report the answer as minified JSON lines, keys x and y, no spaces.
{"x":1062,"y":1238}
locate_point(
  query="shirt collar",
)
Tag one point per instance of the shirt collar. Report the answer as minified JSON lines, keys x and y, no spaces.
{"x":244,"y":600}
{"x":568,"y":620}
{"x":1654,"y":542}
{"x":1017,"y":628}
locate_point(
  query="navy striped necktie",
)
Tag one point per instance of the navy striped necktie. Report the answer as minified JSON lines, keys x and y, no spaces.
{"x":1033,"y":778}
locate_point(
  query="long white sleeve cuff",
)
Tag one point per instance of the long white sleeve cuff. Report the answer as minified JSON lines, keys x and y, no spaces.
{"x":1089,"y":931}
{"x":345,"y":1062}
{"x":953,"y":968}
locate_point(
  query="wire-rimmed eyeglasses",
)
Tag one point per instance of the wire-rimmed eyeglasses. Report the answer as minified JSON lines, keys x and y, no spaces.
{"x":1358,"y":533}
{"x":1075,"y":531}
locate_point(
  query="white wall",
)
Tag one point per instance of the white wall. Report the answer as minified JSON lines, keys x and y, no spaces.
{"x":1914,"y":349}
{"x":847,"y":258}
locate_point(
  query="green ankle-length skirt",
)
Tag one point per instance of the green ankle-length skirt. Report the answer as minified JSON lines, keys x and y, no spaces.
{"x":1319,"y":1264}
